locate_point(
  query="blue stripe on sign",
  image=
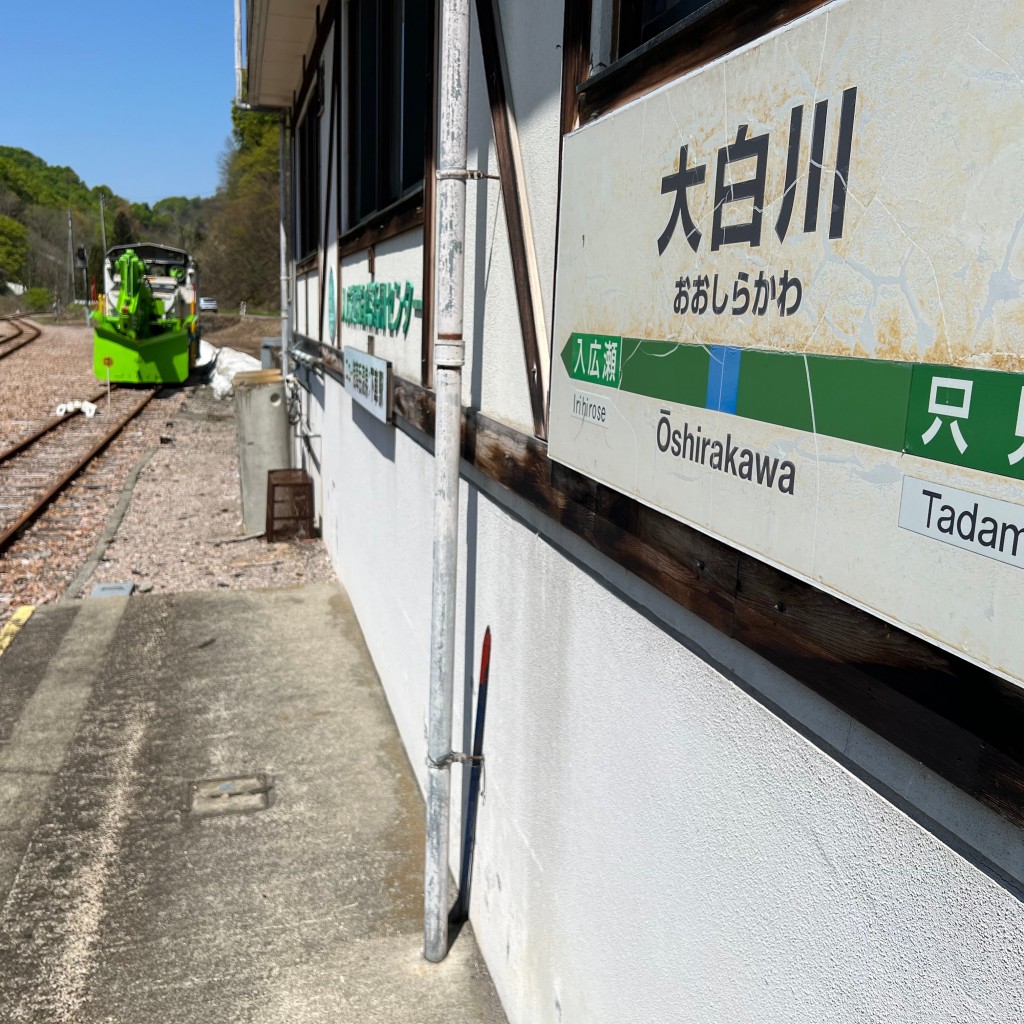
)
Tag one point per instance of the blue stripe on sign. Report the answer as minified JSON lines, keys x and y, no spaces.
{"x":723,"y":378}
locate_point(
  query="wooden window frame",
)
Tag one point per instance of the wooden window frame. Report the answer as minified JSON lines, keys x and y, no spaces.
{"x":628,"y":27}
{"x":402,"y":215}
{"x":716,"y":29}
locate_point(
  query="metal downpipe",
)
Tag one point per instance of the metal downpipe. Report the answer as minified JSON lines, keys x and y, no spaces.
{"x":283,"y":236}
{"x":238,"y":51}
{"x":449,"y":355}
{"x":282,"y":183}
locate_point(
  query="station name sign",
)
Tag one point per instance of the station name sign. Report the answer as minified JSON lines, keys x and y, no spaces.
{"x":790,"y":312}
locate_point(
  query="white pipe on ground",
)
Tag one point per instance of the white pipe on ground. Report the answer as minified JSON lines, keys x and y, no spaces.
{"x":449,"y":355}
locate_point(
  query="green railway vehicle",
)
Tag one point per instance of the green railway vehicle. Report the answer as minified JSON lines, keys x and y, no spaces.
{"x":146,"y":330}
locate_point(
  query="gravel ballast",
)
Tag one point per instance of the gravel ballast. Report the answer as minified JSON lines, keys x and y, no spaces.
{"x":182,"y":527}
{"x":184,"y":501}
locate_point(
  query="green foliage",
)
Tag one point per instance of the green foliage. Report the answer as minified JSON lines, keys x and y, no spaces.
{"x":183,"y":221}
{"x":252,"y":131}
{"x":37,"y":299}
{"x":141,"y":214}
{"x":13,"y":248}
{"x":36,"y":183}
{"x":239,"y":256}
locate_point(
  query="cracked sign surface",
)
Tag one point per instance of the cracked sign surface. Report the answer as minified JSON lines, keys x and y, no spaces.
{"x":790,"y":311}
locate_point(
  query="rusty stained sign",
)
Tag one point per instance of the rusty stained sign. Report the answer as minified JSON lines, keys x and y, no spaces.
{"x":790,"y":311}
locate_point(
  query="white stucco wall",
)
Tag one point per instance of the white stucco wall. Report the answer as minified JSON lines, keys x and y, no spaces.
{"x":305,"y":304}
{"x":396,"y":261}
{"x":655,"y":841}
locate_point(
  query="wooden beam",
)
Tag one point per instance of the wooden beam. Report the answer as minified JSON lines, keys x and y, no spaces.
{"x":328,"y":192}
{"x":575,"y":59}
{"x":576,"y":27}
{"x":517,"y":213}
{"x":312,"y":62}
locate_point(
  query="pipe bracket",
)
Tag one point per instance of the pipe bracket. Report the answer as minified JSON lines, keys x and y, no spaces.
{"x":463,"y":174}
{"x":453,"y":757}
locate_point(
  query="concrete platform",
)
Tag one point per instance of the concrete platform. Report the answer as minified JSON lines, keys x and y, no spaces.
{"x":123,"y":899}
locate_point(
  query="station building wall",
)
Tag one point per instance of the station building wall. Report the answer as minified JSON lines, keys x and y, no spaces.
{"x":672,"y":828}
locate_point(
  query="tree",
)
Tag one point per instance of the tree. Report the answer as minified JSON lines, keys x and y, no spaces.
{"x":124,"y":233}
{"x":13,"y":248}
{"x":183,"y":221}
{"x":47,"y":263}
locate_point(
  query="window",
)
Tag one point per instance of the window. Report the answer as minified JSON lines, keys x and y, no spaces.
{"x":641,"y":20}
{"x":388,"y":60}
{"x":307,"y":220}
{"x":639,"y":45}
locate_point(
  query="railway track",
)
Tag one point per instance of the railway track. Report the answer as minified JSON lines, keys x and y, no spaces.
{"x":37,"y":468}
{"x":18,"y":332}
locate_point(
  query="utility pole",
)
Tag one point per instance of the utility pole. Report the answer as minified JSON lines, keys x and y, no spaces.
{"x":71,"y":261}
{"x":82,"y":261}
{"x":103,"y":227}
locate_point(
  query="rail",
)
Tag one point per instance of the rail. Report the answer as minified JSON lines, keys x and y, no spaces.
{"x":19,"y":474}
{"x":21,"y":325}
{"x":50,"y":425}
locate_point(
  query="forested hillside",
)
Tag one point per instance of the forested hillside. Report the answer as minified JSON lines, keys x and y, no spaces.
{"x":233,"y":234}
{"x":239,"y":255}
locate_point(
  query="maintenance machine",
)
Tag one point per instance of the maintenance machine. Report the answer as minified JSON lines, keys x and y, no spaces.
{"x":146,"y":328}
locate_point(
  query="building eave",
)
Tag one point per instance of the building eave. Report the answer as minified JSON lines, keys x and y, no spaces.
{"x":280,"y":34}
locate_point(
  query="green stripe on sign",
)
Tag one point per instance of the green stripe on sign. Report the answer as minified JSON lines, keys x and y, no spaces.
{"x":665,"y":370}
{"x":971,"y":418}
{"x":859,"y":400}
{"x":863,"y":400}
{"x":773,"y":389}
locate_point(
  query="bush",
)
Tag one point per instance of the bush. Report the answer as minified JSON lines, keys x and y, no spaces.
{"x":13,"y":248}
{"x":38,"y":299}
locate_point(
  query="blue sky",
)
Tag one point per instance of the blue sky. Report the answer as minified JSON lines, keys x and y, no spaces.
{"x":134,"y":95}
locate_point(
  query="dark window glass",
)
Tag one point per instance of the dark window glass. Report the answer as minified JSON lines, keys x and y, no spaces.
{"x":641,"y":20}
{"x":415,"y":48}
{"x":307,"y":231}
{"x":366,"y":108}
{"x":388,"y":57}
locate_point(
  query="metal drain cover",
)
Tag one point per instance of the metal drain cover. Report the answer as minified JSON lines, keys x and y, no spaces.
{"x":238,"y":794}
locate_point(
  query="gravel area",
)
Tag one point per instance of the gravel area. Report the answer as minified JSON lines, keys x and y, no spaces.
{"x":244,"y":333}
{"x":182,"y":527}
{"x":186,"y":499}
